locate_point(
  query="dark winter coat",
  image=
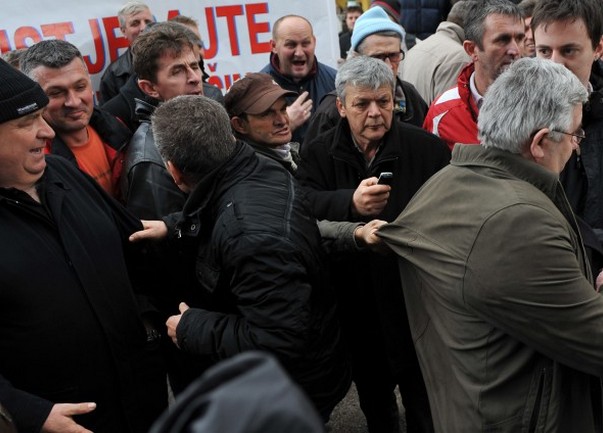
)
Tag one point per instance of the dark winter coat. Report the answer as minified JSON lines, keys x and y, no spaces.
{"x":115,"y":76}
{"x":330,"y":171}
{"x":70,"y":330}
{"x":582,"y":177}
{"x":259,"y":264}
{"x":422,"y":17}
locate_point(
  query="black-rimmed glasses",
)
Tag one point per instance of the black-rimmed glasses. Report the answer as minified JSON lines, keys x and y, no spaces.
{"x":393,"y":57}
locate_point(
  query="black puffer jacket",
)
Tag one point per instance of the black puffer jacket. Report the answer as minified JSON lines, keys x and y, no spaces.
{"x":260,"y":264}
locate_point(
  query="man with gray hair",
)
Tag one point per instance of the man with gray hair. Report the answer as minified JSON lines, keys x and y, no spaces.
{"x":375,"y":35}
{"x":503,"y":310}
{"x":494,"y":33}
{"x":339,"y":170}
{"x":133,"y":18}
{"x":258,"y":263}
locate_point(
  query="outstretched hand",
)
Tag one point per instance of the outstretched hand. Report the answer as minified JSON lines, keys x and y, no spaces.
{"x":60,"y":418}
{"x":153,"y":230}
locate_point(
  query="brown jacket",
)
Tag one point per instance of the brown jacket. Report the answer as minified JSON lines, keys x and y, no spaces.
{"x":506,"y":323}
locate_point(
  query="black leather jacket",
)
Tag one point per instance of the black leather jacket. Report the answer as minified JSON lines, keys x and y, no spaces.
{"x":115,"y":76}
{"x":148,"y":188}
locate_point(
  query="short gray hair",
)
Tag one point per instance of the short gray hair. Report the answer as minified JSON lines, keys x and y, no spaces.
{"x":532,"y":94}
{"x":194,"y":134}
{"x":51,"y":53}
{"x":480,"y":10}
{"x":130,"y":8}
{"x":364,"y":72}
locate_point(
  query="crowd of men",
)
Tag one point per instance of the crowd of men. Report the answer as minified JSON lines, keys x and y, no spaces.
{"x":428,"y":219}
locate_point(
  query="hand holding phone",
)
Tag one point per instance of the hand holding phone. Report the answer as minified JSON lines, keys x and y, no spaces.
{"x":385,"y":178}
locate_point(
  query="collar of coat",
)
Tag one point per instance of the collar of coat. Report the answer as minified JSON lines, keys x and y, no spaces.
{"x":511,"y":163}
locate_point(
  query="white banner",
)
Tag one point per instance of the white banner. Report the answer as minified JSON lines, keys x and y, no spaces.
{"x":236,"y":33}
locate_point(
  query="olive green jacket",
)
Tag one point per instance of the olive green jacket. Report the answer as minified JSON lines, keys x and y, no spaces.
{"x":505,"y":320}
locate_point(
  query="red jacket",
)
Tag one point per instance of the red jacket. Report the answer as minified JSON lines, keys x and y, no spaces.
{"x":453,"y":116}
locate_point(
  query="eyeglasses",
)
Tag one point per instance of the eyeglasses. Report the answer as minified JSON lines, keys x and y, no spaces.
{"x":393,"y":57}
{"x":578,"y":134}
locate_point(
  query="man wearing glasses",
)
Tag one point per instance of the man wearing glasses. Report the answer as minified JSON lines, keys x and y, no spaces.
{"x":505,"y":317}
{"x":377,"y":36}
{"x":494,"y":32}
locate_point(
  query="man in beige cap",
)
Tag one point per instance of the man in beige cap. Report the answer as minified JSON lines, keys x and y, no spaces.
{"x":257,"y":107}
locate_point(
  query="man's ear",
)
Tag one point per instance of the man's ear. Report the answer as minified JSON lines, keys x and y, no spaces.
{"x":340,"y":107}
{"x":599,"y":50}
{"x":470,"y":48}
{"x":273,"y":46}
{"x":149,"y":88}
{"x":175,"y":173}
{"x":239,"y":125}
{"x":536,"y":149}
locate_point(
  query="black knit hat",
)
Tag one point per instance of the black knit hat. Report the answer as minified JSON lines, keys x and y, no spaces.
{"x":19,"y":94}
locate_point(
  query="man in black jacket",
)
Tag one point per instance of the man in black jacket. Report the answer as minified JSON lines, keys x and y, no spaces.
{"x":75,"y":354}
{"x":258,"y":257}
{"x":339,"y":170}
{"x":569,"y":32}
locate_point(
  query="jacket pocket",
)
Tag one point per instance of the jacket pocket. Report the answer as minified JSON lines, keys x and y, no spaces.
{"x":537,"y":403}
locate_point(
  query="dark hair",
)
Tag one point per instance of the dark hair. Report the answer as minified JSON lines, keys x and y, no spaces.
{"x":52,"y":53}
{"x":589,"y":11}
{"x":165,"y":37}
{"x":526,"y":7}
{"x":480,"y":10}
{"x":194,"y":134}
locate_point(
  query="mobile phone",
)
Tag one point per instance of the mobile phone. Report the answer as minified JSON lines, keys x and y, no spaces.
{"x":385,"y":178}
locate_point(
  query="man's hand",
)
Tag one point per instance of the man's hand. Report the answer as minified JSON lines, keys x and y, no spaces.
{"x":599,"y":282}
{"x":369,"y":199}
{"x":299,"y":112}
{"x":60,"y":418}
{"x":173,"y":321}
{"x":366,"y":235}
{"x":153,"y":230}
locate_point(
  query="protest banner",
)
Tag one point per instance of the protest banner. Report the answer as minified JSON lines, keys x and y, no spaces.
{"x":236,"y":33}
